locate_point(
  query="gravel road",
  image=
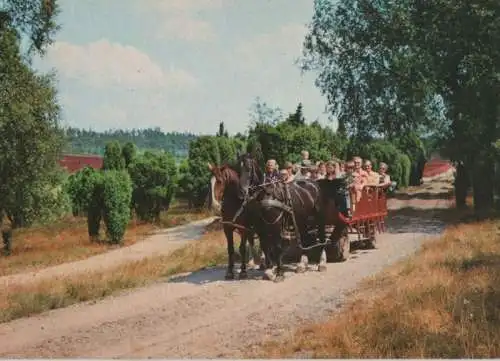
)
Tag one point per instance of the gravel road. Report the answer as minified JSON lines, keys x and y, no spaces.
{"x":202,"y":316}
{"x":160,"y":243}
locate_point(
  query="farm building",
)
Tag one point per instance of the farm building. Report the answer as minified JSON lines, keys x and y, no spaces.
{"x":73,"y":163}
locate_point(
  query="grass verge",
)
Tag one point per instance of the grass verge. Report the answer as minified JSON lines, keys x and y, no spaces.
{"x":67,"y":240}
{"x":441,"y":303}
{"x":21,"y":301}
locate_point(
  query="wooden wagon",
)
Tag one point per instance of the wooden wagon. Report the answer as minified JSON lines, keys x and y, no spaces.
{"x":366,"y":221}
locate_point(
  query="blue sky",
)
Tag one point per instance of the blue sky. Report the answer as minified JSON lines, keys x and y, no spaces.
{"x":181,"y":65}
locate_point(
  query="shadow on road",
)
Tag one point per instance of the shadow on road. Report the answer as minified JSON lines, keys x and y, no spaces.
{"x":445,"y":194}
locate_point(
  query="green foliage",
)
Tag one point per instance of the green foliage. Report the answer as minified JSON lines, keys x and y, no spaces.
{"x":262,"y":113}
{"x":30,"y":138}
{"x":297,"y":118}
{"x":222,"y":132}
{"x":117,"y":195}
{"x":414,"y":147}
{"x":285,"y":141}
{"x":227,"y":149}
{"x":129,"y":152}
{"x":194,"y":174}
{"x":154,"y":178}
{"x":34,"y":20}
{"x":83,"y":141}
{"x":113,"y":158}
{"x":395,"y":67}
{"x":79,"y":187}
{"x":95,"y":205}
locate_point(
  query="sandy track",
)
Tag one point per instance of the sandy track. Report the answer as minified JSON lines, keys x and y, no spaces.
{"x":200,"y":315}
{"x":160,"y":243}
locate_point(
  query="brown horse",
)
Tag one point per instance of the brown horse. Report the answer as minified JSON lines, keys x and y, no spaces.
{"x":228,"y":191}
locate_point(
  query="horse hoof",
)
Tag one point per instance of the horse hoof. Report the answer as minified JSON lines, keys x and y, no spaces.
{"x":229,"y":276}
{"x":322,"y":268}
{"x":243,"y":276}
{"x":279,"y":279}
{"x":300,"y":269}
{"x":269,"y":275}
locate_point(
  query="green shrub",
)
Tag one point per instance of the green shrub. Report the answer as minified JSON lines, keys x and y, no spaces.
{"x":194,"y":176}
{"x":129,"y":153}
{"x":95,"y":204}
{"x":79,"y":187}
{"x":154,"y":178}
{"x":113,"y":158}
{"x":117,"y":195}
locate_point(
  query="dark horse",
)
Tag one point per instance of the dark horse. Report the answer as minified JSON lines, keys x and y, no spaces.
{"x":281,"y":209}
{"x":299,"y":211}
{"x":229,"y":189}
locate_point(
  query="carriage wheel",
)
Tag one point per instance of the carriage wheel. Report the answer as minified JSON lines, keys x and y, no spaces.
{"x":339,"y":250}
{"x":371,"y":242}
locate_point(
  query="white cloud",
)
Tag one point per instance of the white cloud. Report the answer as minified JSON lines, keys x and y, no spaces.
{"x":188,"y":5}
{"x":181,"y":18}
{"x":103,"y":63}
{"x":283,"y":46}
{"x":186,"y":28}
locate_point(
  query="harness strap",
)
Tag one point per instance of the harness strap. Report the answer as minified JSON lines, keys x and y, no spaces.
{"x":273,"y":203}
{"x":294,"y":220}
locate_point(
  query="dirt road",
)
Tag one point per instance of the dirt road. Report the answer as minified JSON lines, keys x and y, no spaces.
{"x":200,"y":315}
{"x":162,"y":242}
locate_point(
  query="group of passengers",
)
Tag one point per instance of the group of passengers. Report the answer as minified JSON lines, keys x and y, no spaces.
{"x":357,"y":173}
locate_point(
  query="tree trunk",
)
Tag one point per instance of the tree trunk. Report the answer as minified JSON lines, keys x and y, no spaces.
{"x":483,"y":186}
{"x":461,"y":185}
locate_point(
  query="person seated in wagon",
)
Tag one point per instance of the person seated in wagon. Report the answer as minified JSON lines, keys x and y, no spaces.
{"x":304,"y":170}
{"x":271,"y":173}
{"x":359,"y":178}
{"x":384,"y":179}
{"x":372,"y":177}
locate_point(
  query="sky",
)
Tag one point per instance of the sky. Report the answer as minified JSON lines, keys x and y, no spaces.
{"x":181,"y":65}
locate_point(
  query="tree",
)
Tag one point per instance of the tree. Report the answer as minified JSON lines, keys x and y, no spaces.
{"x":30,"y":138}
{"x":154,"y":177}
{"x":194,"y":175}
{"x":262,"y":113}
{"x":129,"y":152}
{"x":117,"y":195}
{"x":297,"y":118}
{"x":394,"y":67}
{"x":32,"y":19}
{"x":113,"y":157}
{"x":222,"y":130}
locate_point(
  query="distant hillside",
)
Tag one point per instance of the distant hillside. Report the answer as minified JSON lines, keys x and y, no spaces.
{"x":81,"y":141}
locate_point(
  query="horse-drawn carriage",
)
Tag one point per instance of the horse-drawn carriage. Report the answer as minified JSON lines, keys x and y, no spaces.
{"x":305,"y":215}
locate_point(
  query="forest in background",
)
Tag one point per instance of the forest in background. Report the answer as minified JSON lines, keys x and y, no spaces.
{"x":87,"y":141}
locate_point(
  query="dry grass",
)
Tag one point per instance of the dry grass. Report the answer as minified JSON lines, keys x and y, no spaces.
{"x":67,"y":240}
{"x":441,"y":303}
{"x":25,"y":300}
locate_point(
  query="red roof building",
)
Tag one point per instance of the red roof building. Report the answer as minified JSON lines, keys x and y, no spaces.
{"x":73,"y":163}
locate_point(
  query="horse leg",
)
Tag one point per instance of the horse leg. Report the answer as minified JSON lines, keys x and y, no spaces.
{"x":270,"y":254}
{"x":304,"y":260}
{"x":228,"y":231}
{"x":265,"y":253}
{"x":251,"y":245}
{"x":278,"y":251}
{"x":243,"y":254}
{"x":321,"y":222}
{"x":322,"y":260}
